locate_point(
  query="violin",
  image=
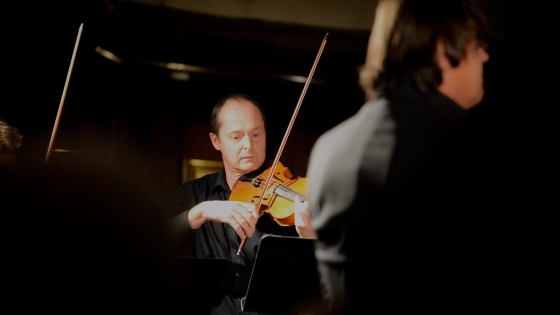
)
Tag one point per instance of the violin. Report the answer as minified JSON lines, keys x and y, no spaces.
{"x":278,"y":199}
{"x":282,"y":182}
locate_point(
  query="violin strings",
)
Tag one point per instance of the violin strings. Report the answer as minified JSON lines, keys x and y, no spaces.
{"x":280,"y":185}
{"x":291,"y":191}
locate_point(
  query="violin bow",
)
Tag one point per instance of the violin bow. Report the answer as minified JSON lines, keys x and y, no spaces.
{"x":64,"y":93}
{"x":279,"y":153}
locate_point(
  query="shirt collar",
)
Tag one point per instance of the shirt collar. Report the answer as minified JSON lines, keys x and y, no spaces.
{"x":436,"y":98}
{"x":221,"y":181}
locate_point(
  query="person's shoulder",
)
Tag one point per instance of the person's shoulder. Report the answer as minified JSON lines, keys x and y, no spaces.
{"x":346,"y":142}
{"x":369,"y":116}
{"x":193,"y":191}
{"x":204,"y":181}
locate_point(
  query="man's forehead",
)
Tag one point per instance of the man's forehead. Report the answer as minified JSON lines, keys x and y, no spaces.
{"x":236,"y":103}
{"x":238,"y":112}
{"x":241,"y":126}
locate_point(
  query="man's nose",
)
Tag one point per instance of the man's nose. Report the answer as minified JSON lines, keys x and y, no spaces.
{"x":246,"y":142}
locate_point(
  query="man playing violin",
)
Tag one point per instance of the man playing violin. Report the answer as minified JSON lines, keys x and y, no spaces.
{"x":208,"y":220}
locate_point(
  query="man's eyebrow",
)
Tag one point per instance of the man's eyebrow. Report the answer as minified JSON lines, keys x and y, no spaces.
{"x":241,"y":130}
{"x":234,"y":131}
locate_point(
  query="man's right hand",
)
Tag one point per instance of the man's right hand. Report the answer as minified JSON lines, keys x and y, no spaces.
{"x":242,"y":216}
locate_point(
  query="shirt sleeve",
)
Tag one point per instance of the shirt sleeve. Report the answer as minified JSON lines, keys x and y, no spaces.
{"x":335,"y":185}
{"x":183,"y":199}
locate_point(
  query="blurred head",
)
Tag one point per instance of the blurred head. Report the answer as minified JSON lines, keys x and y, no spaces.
{"x":238,"y":131}
{"x":10,"y":143}
{"x":436,"y":45}
{"x":463,"y":83}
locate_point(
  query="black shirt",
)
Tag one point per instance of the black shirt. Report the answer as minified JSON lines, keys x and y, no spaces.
{"x":219,"y":240}
{"x":405,"y":203}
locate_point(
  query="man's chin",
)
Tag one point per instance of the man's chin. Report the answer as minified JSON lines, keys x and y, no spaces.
{"x":249,"y":167}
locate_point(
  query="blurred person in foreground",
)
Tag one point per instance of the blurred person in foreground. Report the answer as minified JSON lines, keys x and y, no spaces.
{"x":395,"y":192}
{"x":85,"y":238}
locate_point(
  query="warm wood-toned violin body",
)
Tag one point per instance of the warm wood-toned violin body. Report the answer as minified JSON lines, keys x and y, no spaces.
{"x":278,"y":200}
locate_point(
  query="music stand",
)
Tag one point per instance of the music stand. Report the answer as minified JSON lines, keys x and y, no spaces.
{"x":197,"y":284}
{"x":284,"y":279}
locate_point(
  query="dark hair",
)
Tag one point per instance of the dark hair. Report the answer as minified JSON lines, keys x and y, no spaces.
{"x":419,"y":25}
{"x":215,"y":122}
{"x":10,"y":138}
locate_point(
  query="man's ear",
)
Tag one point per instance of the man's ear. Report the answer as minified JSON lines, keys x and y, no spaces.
{"x":215,"y":141}
{"x":442,"y":60}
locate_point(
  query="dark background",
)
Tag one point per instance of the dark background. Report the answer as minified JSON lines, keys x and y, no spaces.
{"x":133,"y":117}
{"x":134,"y":113}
